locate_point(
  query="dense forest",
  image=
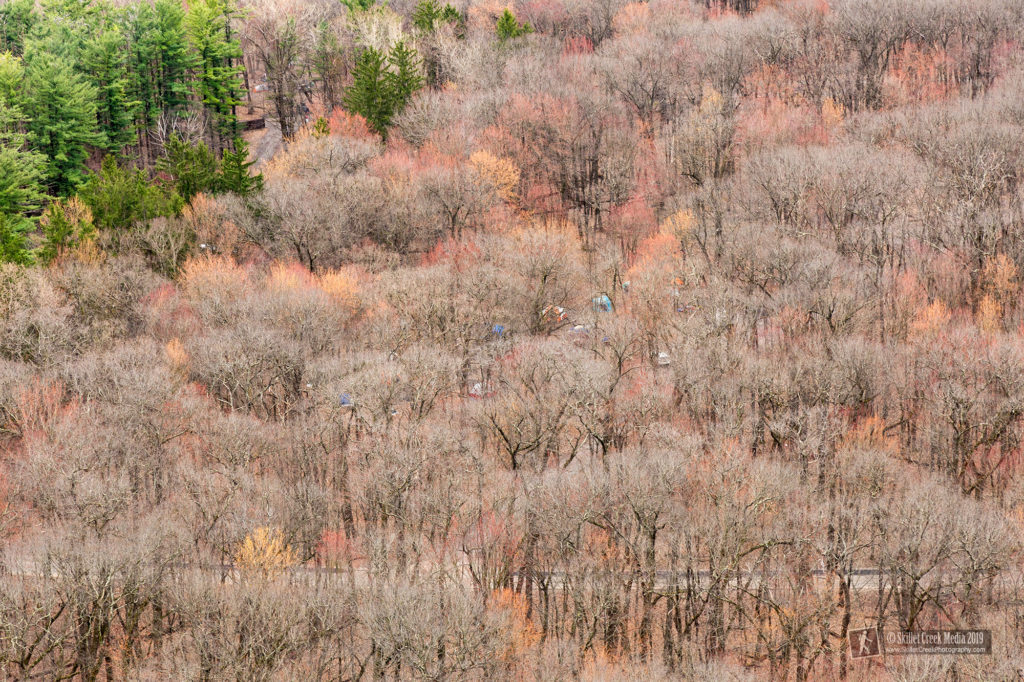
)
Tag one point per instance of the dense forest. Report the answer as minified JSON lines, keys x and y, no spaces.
{"x":532,"y":340}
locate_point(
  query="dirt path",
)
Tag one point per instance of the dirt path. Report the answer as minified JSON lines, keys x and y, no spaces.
{"x":265,"y":144}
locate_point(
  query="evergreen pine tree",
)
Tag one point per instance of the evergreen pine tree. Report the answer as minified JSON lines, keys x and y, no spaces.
{"x":58,"y":235}
{"x":121,"y":197}
{"x":508,"y":27}
{"x":66,"y":224}
{"x":234,"y":174}
{"x":321,"y":128}
{"x":405,"y":76}
{"x":105,"y":60}
{"x":173,"y":58}
{"x":14,"y":239}
{"x":12,"y":78}
{"x":60,"y":106}
{"x":160,"y":58}
{"x":429,"y":14}
{"x":382,"y":86}
{"x":159,"y":64}
{"x":65,"y":26}
{"x":354,"y":6}
{"x":17,"y":17}
{"x":368,"y":94}
{"x":22,"y":171}
{"x":192,"y":165}
{"x":218,"y":78}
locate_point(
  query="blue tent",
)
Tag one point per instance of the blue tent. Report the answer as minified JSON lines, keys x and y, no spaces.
{"x":603,"y":304}
{"x":345,"y":400}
